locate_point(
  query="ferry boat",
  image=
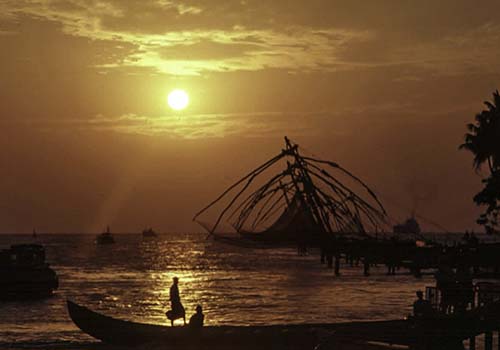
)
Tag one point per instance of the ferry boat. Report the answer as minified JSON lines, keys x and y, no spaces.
{"x":25,"y":274}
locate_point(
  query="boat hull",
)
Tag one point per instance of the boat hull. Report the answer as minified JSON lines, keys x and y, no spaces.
{"x":119,"y":332}
{"x":26,"y":283}
{"x":24,"y":273}
{"x":103,"y":240}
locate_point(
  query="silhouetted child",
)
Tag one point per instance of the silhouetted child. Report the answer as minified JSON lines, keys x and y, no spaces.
{"x":196,"y":321}
{"x":422,"y":308}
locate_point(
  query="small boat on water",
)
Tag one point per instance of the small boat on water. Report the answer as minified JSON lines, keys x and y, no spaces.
{"x":149,"y":233}
{"x":24,"y":274}
{"x":445,"y":329}
{"x":105,"y":237}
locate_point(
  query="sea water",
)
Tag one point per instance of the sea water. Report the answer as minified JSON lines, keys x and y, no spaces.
{"x":236,"y":286}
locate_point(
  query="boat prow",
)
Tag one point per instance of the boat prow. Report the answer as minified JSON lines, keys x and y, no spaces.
{"x":111,"y":330}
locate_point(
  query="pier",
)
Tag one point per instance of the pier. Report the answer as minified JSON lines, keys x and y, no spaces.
{"x":410,"y":255}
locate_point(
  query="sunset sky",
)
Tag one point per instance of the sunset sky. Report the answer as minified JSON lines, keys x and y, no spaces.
{"x":383,"y":87}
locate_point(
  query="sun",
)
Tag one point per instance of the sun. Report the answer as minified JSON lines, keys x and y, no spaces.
{"x":178,"y":99}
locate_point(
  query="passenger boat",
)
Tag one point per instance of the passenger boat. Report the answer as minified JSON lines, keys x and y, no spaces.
{"x":105,"y":237}
{"x":25,"y":274}
{"x":445,"y":330}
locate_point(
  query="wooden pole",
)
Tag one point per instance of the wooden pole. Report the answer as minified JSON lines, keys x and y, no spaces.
{"x":255,"y":171}
{"x":488,"y":341}
{"x":472,"y":343}
{"x":366,"y":266}
{"x":337,"y":166}
{"x":337,"y":264}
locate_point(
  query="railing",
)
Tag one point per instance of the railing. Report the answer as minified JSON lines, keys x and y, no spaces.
{"x":483,"y":293}
{"x":487,"y":292}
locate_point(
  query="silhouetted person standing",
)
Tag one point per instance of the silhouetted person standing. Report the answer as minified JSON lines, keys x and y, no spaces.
{"x":174,"y":292}
{"x":196,"y":321}
{"x":177,"y":310}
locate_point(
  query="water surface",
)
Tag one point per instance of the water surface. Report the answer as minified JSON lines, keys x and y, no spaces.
{"x":237,"y":286}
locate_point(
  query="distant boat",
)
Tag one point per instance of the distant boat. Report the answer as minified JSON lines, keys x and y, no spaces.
{"x":25,"y":274}
{"x":105,"y":237}
{"x":409,"y":226}
{"x":149,"y":233}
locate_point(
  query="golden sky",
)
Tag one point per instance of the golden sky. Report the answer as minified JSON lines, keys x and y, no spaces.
{"x":383,"y":87}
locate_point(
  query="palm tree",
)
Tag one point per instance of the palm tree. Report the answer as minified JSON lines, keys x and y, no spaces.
{"x":483,"y":138}
{"x":483,"y":141}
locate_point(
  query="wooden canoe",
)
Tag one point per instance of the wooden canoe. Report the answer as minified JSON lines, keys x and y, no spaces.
{"x":292,"y":336}
{"x":120,"y":332}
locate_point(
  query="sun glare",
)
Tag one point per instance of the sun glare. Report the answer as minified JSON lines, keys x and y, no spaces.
{"x":178,"y":99}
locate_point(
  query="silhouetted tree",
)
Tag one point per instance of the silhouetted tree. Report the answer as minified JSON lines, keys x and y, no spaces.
{"x":483,"y":141}
{"x":490,"y":197}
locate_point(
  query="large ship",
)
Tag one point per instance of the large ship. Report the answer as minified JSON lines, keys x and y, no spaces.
{"x":25,"y":274}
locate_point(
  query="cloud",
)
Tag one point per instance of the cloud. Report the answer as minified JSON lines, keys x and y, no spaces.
{"x":197,"y":37}
{"x":201,"y":125}
{"x":188,"y":126}
{"x":181,"y":8}
{"x":216,"y":125}
{"x":340,"y":123}
{"x":468,"y":52}
{"x":294,"y":48}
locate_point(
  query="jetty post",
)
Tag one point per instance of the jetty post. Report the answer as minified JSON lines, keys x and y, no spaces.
{"x":485,"y":292}
{"x":472,"y":343}
{"x":488,"y":340}
{"x":474,"y":302}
